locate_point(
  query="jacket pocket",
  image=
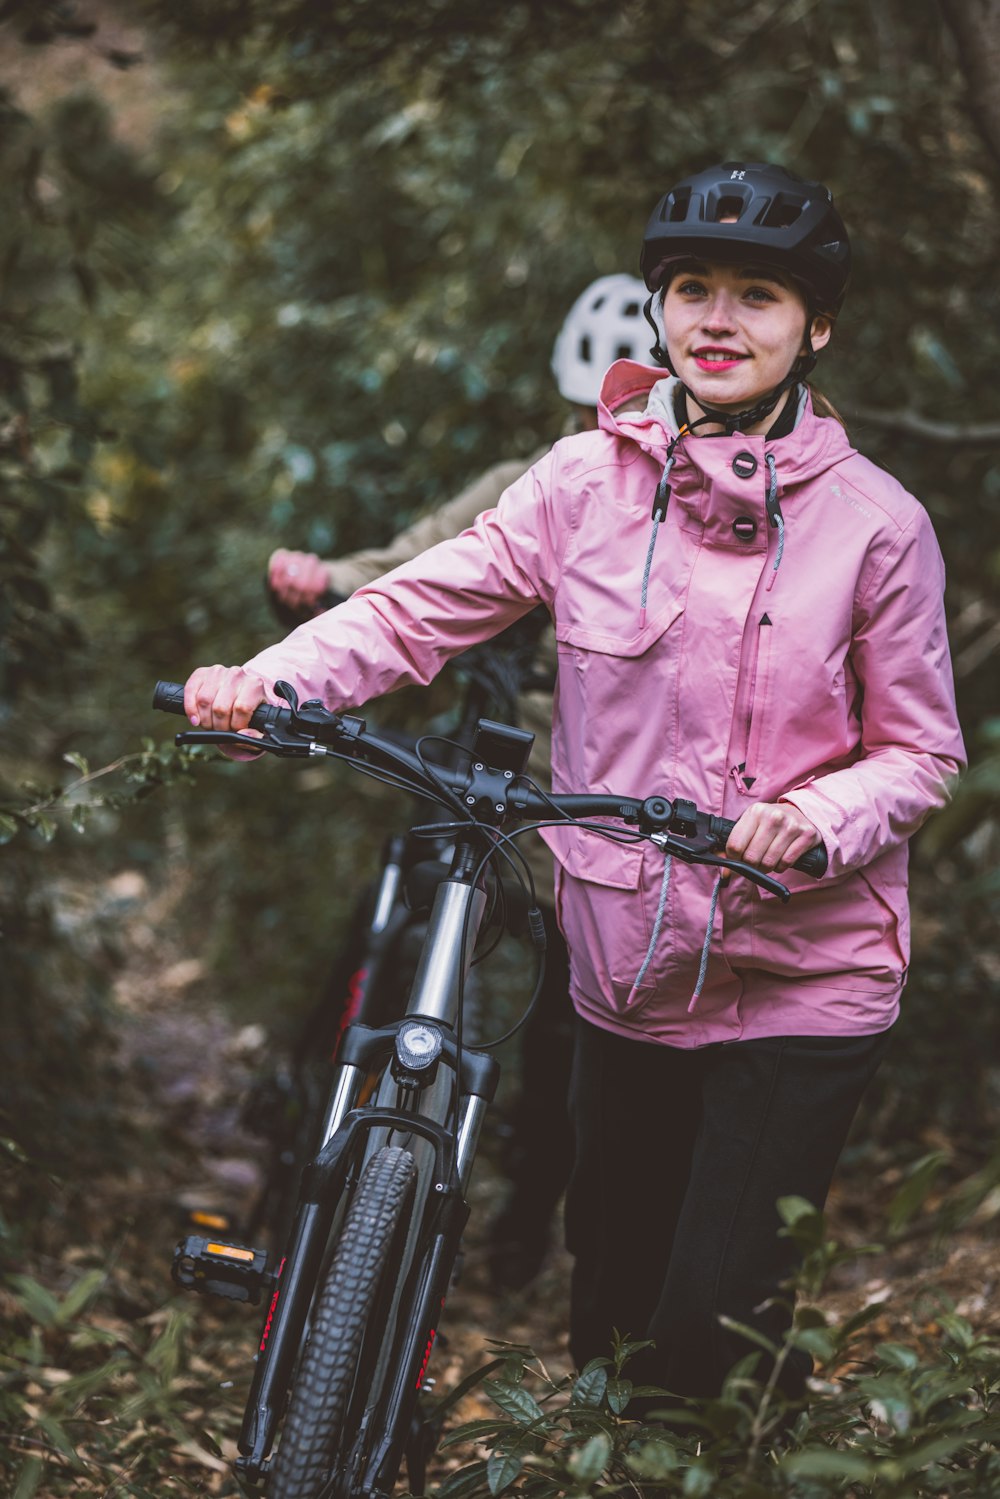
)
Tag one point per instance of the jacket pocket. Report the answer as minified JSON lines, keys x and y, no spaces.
{"x":748,"y":767}
{"x":621,"y":638}
{"x":603,"y":911}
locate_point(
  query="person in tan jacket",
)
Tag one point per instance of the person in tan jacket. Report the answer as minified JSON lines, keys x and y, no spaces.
{"x":605,"y":323}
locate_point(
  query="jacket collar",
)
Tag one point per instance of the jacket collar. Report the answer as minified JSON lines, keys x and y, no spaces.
{"x":636,"y":403}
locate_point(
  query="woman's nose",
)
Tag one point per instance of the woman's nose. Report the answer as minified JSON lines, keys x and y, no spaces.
{"x":718,"y":312}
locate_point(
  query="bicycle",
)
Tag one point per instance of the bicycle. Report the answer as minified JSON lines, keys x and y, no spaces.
{"x":356,"y":1300}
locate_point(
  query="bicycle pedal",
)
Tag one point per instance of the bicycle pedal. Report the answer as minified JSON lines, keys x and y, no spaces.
{"x":214,"y":1268}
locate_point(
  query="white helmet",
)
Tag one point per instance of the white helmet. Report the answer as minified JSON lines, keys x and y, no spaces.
{"x":605,"y":323}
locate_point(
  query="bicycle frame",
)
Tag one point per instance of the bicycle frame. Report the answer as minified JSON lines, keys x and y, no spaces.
{"x":349,"y":1133}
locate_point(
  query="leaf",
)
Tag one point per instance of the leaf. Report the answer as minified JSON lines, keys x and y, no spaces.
{"x":654,"y":1459}
{"x":9,"y":827}
{"x":478,"y":1376}
{"x":41,"y":1306}
{"x":897,"y":1355}
{"x":85,"y":1289}
{"x":501,"y":1470}
{"x":589,"y":1388}
{"x":817,"y":1462}
{"x":514,"y":1400}
{"x":818,"y":1341}
{"x":916,"y":1189}
{"x":28,"y":1478}
{"x":79,"y":761}
{"x":699,"y":1481}
{"x":463,"y":1481}
{"x":588,"y":1462}
{"x":619,"y":1393}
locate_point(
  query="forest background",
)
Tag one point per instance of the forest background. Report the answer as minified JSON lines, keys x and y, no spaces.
{"x":290,"y":273}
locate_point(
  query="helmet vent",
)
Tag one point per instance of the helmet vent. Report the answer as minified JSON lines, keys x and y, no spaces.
{"x":679,"y":206}
{"x":585,"y":350}
{"x":728,"y":208}
{"x":631,"y":309}
{"x":781,"y":214}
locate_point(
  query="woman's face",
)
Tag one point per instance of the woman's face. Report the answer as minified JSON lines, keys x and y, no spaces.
{"x":733,"y":332}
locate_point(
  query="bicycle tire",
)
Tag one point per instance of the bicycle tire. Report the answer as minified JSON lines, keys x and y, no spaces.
{"x":330,"y":1392}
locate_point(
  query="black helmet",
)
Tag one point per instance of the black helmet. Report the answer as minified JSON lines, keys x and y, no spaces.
{"x":778,"y":217}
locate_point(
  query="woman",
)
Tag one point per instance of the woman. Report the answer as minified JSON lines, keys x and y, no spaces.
{"x":750,"y":614}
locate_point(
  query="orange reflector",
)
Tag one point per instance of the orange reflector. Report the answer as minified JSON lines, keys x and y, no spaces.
{"x":230,"y":1251}
{"x":209,"y":1220}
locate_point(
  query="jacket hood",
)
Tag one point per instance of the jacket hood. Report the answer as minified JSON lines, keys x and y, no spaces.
{"x":636,"y":403}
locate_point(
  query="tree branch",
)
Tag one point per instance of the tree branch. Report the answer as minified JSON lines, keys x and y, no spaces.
{"x":917,"y":425}
{"x":975,"y":25}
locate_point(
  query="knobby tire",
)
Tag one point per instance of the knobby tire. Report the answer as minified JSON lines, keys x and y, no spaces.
{"x":349,"y":1318}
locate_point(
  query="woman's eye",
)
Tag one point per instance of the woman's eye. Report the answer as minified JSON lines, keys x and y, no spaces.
{"x":759,"y":294}
{"x":689,"y":288}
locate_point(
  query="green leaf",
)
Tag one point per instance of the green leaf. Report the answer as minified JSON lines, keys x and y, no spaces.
{"x":916,"y":1189}
{"x":85,"y":1289}
{"x":501,"y":1470}
{"x":464,"y":1480}
{"x":699,"y":1481}
{"x":588,"y":1462}
{"x":452,"y":1398}
{"x":514,"y":1400}
{"x":589,"y":1388}
{"x":818,"y":1341}
{"x":79,"y":761}
{"x":825,"y":1462}
{"x":654,"y":1459}
{"x":9,"y":827}
{"x":619,"y":1393}
{"x":28,"y":1478}
{"x":38,"y":1302}
{"x":897,"y":1355}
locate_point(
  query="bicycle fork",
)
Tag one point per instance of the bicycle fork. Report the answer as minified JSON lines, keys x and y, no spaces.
{"x":348,"y":1134}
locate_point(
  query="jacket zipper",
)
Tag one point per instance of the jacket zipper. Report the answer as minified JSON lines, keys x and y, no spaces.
{"x":744,"y":781}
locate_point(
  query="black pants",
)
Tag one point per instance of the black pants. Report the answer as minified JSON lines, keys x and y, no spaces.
{"x":681,"y":1157}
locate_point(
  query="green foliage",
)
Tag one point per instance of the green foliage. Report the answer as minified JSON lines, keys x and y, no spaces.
{"x":890,"y":1421}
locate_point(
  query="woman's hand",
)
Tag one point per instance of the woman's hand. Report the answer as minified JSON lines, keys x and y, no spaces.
{"x":297,"y":579}
{"x":223,"y":697}
{"x":771,"y":836}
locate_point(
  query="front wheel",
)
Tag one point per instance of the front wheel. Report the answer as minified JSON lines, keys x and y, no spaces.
{"x":334,"y":1383}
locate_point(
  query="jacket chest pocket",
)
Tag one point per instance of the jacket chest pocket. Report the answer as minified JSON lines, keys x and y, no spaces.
{"x":751,"y":758}
{"x":611,"y":686}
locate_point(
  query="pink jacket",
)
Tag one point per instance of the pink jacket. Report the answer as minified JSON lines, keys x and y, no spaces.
{"x":792,"y":645}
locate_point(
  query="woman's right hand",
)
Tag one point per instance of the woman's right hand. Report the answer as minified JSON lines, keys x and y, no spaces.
{"x":223,"y":697}
{"x":297,"y":579}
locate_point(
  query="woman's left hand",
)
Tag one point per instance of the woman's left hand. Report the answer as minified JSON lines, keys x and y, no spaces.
{"x":771,"y":836}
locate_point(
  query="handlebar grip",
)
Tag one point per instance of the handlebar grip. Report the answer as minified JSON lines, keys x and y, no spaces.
{"x":813,"y":862}
{"x":168,"y":697}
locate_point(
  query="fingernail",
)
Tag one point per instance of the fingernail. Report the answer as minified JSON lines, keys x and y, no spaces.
{"x":194,"y":718}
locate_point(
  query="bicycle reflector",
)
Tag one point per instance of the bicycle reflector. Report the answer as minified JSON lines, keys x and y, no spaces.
{"x":418,"y":1048}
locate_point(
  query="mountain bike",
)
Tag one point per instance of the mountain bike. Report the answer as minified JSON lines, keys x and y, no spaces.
{"x":355,"y":1301}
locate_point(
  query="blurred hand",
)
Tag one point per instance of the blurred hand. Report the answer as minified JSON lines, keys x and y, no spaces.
{"x":223,"y":697}
{"x":771,"y":836}
{"x":298,"y":579}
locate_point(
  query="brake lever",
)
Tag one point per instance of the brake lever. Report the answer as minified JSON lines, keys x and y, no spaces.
{"x":272,"y":742}
{"x":701,"y":851}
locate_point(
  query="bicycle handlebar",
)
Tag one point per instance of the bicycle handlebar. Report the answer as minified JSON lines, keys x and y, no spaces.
{"x":313,"y":729}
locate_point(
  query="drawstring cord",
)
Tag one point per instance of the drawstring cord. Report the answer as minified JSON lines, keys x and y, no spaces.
{"x":707,"y":944}
{"x":661,"y":907}
{"x":774,"y":515}
{"x":660,"y":501}
{"x":655,"y":937}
